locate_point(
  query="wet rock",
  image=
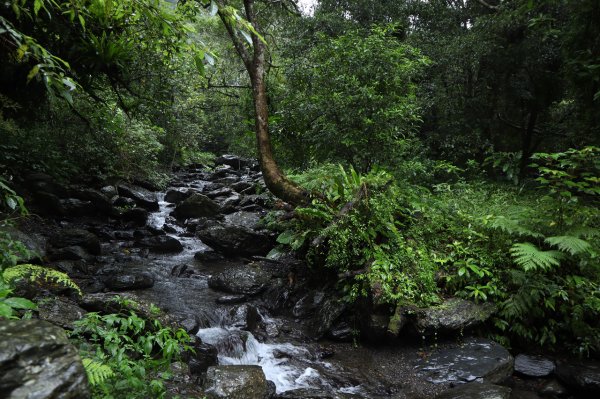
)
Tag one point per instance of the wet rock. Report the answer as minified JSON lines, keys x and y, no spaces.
{"x":109,"y":191}
{"x":227,"y":180}
{"x":100,"y":202}
{"x":124,"y":202}
{"x":377,"y":327}
{"x":453,"y":315}
{"x":48,"y":203}
{"x":147,"y":184}
{"x":139,"y":216}
{"x":142,"y":197}
{"x":60,"y":312}
{"x":235,"y":240}
{"x":341,"y":332}
{"x":309,"y":393}
{"x":191,"y":325}
{"x":203,"y":357}
{"x":221,"y":192}
{"x":38,"y":361}
{"x":250,"y":220}
{"x":175,"y":196}
{"x":582,"y":376}
{"x":35,"y":244}
{"x":182,"y":271}
{"x":247,"y":280}
{"x":476,"y":359}
{"x":476,"y":391}
{"x":208,"y":255}
{"x":229,"y":204}
{"x":262,"y":200}
{"x":73,"y":252}
{"x":231,"y":299}
{"x":76,"y":237}
{"x":235,"y":162}
{"x":74,"y":207}
{"x":40,"y":182}
{"x":130,"y":281}
{"x":397,"y":321}
{"x":196,"y":206}
{"x":533,"y":366}
{"x":553,"y":389}
{"x":162,"y":244}
{"x":241,"y":186}
{"x":237,"y":382}
{"x":245,"y":317}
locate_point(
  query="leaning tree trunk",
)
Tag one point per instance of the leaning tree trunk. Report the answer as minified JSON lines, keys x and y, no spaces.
{"x":255,"y":62}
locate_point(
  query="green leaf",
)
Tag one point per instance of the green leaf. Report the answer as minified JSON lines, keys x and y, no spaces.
{"x":5,"y":310}
{"x":247,"y":37}
{"x":214,"y":8}
{"x":20,"y":303}
{"x":37,"y":5}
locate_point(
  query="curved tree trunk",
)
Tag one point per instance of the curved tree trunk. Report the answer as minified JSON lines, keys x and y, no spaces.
{"x":275,"y":179}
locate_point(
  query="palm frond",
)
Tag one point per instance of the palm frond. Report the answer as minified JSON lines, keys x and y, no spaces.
{"x":570,"y":244}
{"x":530,"y":257}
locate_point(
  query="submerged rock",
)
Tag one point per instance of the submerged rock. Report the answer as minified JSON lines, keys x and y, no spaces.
{"x":476,"y":359}
{"x":476,"y":391}
{"x":237,"y":382}
{"x":533,"y":366}
{"x":453,"y":315}
{"x":38,"y":361}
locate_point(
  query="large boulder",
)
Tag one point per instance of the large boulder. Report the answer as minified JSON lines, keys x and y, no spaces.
{"x":142,"y":197}
{"x":61,"y":312}
{"x":476,"y":359}
{"x":100,"y":202}
{"x":235,"y":240}
{"x":476,"y":391}
{"x":454,"y":315}
{"x":76,"y":237}
{"x":38,"y":361}
{"x":175,"y":195}
{"x":237,"y":382}
{"x":196,"y":206}
{"x":533,"y":366}
{"x":250,"y":220}
{"x":247,"y":280}
{"x":582,"y":376}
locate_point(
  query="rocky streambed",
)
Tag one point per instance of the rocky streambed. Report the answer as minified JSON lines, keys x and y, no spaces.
{"x":266,"y":326}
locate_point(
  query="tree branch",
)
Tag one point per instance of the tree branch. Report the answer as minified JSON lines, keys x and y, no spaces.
{"x":488,"y":5}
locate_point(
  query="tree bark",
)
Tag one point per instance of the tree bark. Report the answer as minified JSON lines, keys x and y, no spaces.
{"x":255,"y":64}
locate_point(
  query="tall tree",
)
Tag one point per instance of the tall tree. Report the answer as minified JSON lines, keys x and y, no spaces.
{"x":252,"y":49}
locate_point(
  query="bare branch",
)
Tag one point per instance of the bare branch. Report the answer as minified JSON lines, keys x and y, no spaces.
{"x":488,"y":5}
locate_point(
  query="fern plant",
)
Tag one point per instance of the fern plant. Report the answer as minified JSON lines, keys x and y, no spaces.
{"x":39,"y":274}
{"x":97,"y":372}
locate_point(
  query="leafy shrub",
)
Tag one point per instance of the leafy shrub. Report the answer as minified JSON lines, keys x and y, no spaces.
{"x":357,"y":228}
{"x":127,"y":356}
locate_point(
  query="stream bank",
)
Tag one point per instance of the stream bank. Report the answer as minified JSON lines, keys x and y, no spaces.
{"x":198,"y":251}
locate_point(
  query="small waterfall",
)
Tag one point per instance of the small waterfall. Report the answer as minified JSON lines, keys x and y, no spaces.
{"x":287,"y":365}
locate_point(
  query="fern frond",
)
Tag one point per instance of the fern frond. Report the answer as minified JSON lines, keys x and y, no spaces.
{"x":583,"y":231}
{"x":36,"y":273}
{"x":96,"y":372}
{"x":530,"y":257}
{"x":570,"y":244}
{"x":513,"y":226}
